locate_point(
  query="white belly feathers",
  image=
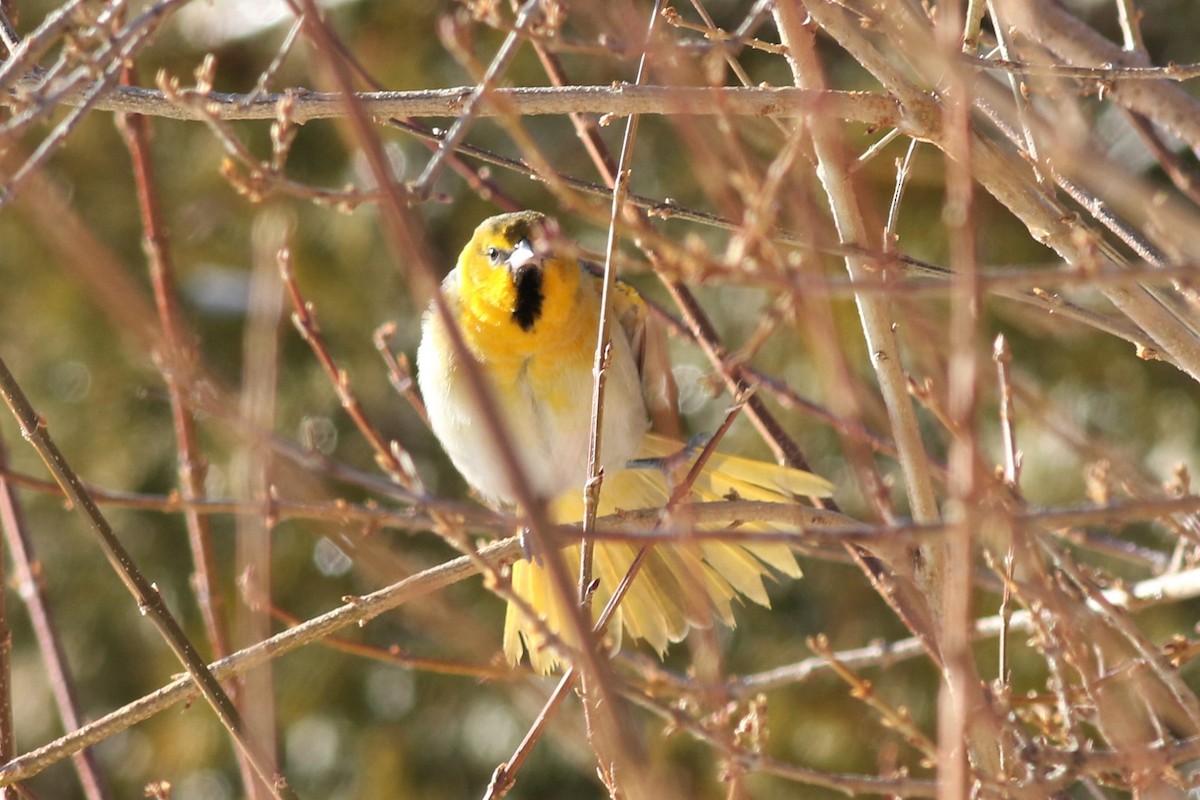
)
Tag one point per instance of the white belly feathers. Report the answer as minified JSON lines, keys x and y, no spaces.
{"x":552,"y":443}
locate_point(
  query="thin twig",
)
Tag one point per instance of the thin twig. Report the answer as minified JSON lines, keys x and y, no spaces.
{"x":895,"y":719}
{"x":149,"y":600}
{"x":179,"y":357}
{"x":600,"y":362}
{"x":8,"y":34}
{"x":847,"y":784}
{"x":505,"y":775}
{"x":1181,"y":172}
{"x":392,"y":457}
{"x":1131,"y":29}
{"x":1012,"y":456}
{"x":1014,"y":82}
{"x":251,"y":476}
{"x":903,"y":167}
{"x":876,"y":325}
{"x":32,"y":590}
{"x":399,"y":370}
{"x":395,"y":655}
{"x":1165,"y":588}
{"x":10,"y":518}
{"x":1078,"y":46}
{"x":530,"y":10}
{"x":967,"y":750}
{"x":135,"y":35}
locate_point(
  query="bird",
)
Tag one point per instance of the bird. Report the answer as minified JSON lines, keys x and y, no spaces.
{"x":529,"y":313}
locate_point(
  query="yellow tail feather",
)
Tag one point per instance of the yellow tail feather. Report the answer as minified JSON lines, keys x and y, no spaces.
{"x":679,"y":586}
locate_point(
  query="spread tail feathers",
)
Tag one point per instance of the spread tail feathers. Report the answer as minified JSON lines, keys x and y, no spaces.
{"x":679,"y":586}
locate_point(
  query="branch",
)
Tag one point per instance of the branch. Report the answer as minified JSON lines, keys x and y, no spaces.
{"x":149,"y":599}
{"x":1162,"y":101}
{"x":356,"y":610}
{"x":621,"y":100}
{"x":1174,"y":587}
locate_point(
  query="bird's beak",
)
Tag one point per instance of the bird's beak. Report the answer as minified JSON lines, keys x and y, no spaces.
{"x":523,"y":260}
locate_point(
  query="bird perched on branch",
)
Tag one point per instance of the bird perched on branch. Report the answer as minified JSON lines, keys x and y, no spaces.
{"x":529,"y":313}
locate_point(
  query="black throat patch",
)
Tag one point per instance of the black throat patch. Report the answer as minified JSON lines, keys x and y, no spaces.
{"x":529,"y":297}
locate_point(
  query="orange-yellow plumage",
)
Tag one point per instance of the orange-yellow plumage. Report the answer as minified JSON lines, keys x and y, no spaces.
{"x":530,"y":318}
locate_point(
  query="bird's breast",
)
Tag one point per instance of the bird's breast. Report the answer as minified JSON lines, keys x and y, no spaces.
{"x":542,"y":387}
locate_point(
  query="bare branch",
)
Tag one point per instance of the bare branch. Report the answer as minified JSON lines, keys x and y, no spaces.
{"x":620,"y":100}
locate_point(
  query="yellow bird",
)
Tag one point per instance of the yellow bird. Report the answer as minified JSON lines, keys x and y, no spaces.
{"x":530,"y":317}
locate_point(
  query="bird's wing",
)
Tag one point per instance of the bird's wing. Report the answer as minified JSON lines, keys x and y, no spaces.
{"x":648,"y":341}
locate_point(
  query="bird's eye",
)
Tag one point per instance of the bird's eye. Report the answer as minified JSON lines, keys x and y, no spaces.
{"x":496,"y":256}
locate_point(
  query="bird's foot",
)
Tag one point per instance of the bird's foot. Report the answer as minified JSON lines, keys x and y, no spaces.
{"x":529,"y":547}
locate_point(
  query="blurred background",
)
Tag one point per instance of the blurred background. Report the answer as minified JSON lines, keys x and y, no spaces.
{"x":1094,"y":421}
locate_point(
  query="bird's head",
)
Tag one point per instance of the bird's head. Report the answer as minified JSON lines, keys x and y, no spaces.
{"x":508,"y":276}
